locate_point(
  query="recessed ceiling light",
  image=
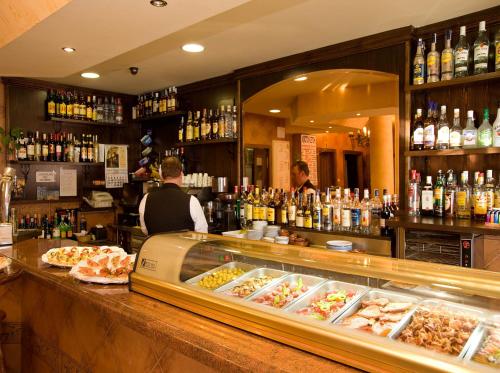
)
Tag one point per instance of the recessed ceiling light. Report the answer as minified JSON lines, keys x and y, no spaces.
{"x":158,"y":3}
{"x":311,"y":121}
{"x":193,"y":48}
{"x":274,"y":111}
{"x":300,"y":78}
{"x":69,"y":49}
{"x":358,"y":114}
{"x":327,"y":131}
{"x":329,"y":126}
{"x":90,"y":75}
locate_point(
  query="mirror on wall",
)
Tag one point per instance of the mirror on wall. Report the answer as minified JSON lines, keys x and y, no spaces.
{"x":341,"y":122}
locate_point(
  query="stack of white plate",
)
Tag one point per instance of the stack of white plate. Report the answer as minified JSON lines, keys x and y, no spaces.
{"x":254,"y":234}
{"x":339,"y":245}
{"x":259,"y":225}
{"x":271,"y":231}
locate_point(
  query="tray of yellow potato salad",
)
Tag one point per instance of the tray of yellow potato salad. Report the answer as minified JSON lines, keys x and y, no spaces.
{"x":221,"y":275}
{"x":67,"y":257}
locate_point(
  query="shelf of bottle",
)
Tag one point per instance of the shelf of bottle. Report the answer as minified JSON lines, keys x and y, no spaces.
{"x":159,"y":117}
{"x":85,"y":122}
{"x":91,"y":164}
{"x":46,"y":201}
{"x":454,"y":82}
{"x":432,"y":223}
{"x":450,"y":152}
{"x":205,"y":142}
{"x":335,"y":233}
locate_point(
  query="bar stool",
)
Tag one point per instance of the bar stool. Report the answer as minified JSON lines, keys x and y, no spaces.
{"x":2,"y":363}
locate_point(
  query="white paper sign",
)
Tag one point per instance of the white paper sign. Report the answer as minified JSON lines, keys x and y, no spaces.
{"x":67,"y":183}
{"x":308,"y":154}
{"x":45,"y":176}
{"x":116,"y":171}
{"x":281,"y":164}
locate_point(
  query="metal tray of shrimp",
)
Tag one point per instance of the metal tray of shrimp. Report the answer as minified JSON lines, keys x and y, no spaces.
{"x":454,"y":308}
{"x":255,"y":273}
{"x":321,"y":290}
{"x":392,"y":296}
{"x":310,"y":281}
{"x":244,"y":266}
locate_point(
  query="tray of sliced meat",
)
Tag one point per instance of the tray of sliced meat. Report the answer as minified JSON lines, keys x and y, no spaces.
{"x":378,"y":312}
{"x":440,"y":326}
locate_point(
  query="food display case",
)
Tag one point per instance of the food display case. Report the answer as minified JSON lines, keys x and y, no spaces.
{"x":373,"y":313}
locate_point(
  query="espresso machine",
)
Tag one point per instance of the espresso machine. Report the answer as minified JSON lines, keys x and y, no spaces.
{"x":6,"y":188}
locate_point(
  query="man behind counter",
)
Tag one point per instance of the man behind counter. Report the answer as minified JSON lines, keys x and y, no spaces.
{"x":300,"y":178}
{"x":169,"y":208}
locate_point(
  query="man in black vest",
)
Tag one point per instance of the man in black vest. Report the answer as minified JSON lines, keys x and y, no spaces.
{"x":169,"y":208}
{"x":300,"y":178}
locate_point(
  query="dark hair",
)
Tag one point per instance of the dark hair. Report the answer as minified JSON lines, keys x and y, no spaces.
{"x":171,"y":167}
{"x":302,"y":166}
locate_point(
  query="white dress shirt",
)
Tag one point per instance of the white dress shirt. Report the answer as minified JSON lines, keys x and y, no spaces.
{"x":195,"y":210}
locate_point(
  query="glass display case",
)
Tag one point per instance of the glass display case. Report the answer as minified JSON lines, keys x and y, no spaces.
{"x":369,"y":312}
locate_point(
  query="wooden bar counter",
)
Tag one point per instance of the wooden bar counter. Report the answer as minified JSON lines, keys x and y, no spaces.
{"x":56,"y":323}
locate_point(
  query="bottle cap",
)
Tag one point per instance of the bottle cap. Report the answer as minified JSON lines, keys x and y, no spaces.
{"x":456,"y":112}
{"x":443,"y":108}
{"x":462,"y":30}
{"x":419,"y":112}
{"x":489,"y":174}
{"x":470,"y":114}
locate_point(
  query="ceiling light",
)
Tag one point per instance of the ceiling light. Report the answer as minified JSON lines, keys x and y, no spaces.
{"x":193,"y":48}
{"x":68,"y":49}
{"x":327,"y":131}
{"x":311,"y":121}
{"x":158,"y":3}
{"x":329,"y":126}
{"x":300,"y":78}
{"x":90,"y":75}
{"x":358,"y":114}
{"x":275,"y":111}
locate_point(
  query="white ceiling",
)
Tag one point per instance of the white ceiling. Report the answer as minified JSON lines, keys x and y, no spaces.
{"x":112,"y":35}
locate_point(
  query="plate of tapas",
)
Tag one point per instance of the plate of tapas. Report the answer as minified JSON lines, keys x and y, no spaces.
{"x":67,"y":257}
{"x":110,"y":268}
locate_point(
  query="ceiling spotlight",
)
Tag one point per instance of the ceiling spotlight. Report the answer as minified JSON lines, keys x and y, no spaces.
{"x":358,"y":114}
{"x":69,"y":49}
{"x":300,"y":78}
{"x":327,"y":131}
{"x":158,"y":3}
{"x":90,"y":75}
{"x":193,"y":48}
{"x":275,"y":111}
{"x":329,"y":126}
{"x":311,"y":121}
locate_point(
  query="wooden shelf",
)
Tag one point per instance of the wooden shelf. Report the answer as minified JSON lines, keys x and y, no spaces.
{"x":454,"y":82}
{"x":44,"y":201}
{"x":450,"y":152}
{"x":91,"y":164}
{"x":158,"y":118}
{"x":205,"y":142}
{"x":85,"y":122}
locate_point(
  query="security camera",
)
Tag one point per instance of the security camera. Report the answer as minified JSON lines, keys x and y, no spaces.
{"x":133,"y":70}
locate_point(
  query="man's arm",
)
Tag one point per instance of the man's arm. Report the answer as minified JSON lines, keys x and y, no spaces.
{"x":142,"y":207}
{"x":198,"y":216}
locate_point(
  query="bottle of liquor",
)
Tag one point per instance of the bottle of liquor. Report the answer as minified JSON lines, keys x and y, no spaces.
{"x":337,"y":210}
{"x":256,"y":216}
{"x":189,"y":128}
{"x":112,"y":109}
{"x":156,"y":102}
{"x":271,"y":210}
{"x":38,"y":147}
{"x":470,"y":132}
{"x":94,"y":109}
{"x":50,"y":104}
{"x":228,"y":123}
{"x":496,"y":128}
{"x":203,"y":125}
{"x":439,"y":195}
{"x":418,"y":132}
{"x":462,"y":55}
{"x":58,"y":146}
{"x":427,"y":198}
{"x":497,"y":196}
{"x":30,"y":147}
{"x":45,"y":148}
{"x":413,"y":194}
{"x":264,"y":199}
{"x":447,"y":58}
{"x":463,"y":197}
{"x":96,"y":148}
{"x":385,"y":215}
{"x":419,"y":64}
{"x":196,"y":127}
{"x":433,"y":63}
{"x":456,"y":131}
{"x":327,"y":212}
{"x":480,"y":199}
{"x":70,"y":148}
{"x":208,"y":125}
{"x":430,"y":128}
{"x":308,"y":212}
{"x":356,"y":212}
{"x":376,"y":210}
{"x":90,"y":149}
{"x":299,"y":218}
{"x":497,"y":50}
{"x":449,"y":194}
{"x":222,"y":122}
{"x":83,"y":151}
{"x":52,"y":148}
{"x":180,"y":130}
{"x":317,"y":221}
{"x":292,"y":210}
{"x":215,"y":125}
{"x":346,"y":211}
{"x":119,"y":111}
{"x":235,"y":122}
{"x":284,"y":210}
{"x":69,"y":105}
{"x":489,"y":189}
{"x":89,"y":108}
{"x":63,"y":104}
{"x":365,"y":212}
{"x":443,"y":138}
{"x":248,"y":204}
{"x":485,"y":131}
{"x":57,"y":99}
{"x":481,"y":50}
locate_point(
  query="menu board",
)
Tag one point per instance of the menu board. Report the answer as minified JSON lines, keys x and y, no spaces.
{"x":308,"y":154}
{"x":281,"y":164}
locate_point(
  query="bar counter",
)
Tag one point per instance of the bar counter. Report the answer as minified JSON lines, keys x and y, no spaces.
{"x":56,"y":323}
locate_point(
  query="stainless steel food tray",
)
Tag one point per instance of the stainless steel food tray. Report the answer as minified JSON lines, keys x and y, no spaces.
{"x":310,"y":281}
{"x":479,"y":335}
{"x":454,"y":307}
{"x":257,"y":272}
{"x":324,"y":288}
{"x":372,"y":294}
{"x":194,"y":281}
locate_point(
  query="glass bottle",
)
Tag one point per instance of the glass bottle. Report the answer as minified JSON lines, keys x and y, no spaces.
{"x":317,"y":212}
{"x":413,"y":195}
{"x":433,"y":63}
{"x":249,"y":208}
{"x":89,"y":108}
{"x":365,"y":212}
{"x":356,"y":212}
{"x":256,"y":216}
{"x":222,"y":122}
{"x":385,"y":215}
{"x":292,"y":209}
{"x":119,"y":111}
{"x":189,"y":127}
{"x":45,"y":148}
{"x":447,"y":58}
{"x":430,"y":129}
{"x":462,"y":55}
{"x":299,"y":218}
{"x":497,"y":50}
{"x":376,"y":205}
{"x":439,"y":195}
{"x":271,"y":212}
{"x":180,"y":130}
{"x":419,"y":64}
{"x":228,"y":123}
{"x":30,"y":147}
{"x":337,"y":211}
{"x":327,"y":212}
{"x":346,"y":211}
{"x":63,"y":104}
{"x":456,"y":131}
{"x":284,"y":210}
{"x":463,"y":197}
{"x":443,"y":131}
{"x":215,"y":125}
{"x":308,"y":212}
{"x":208,"y":125}
{"x":449,"y":194}
{"x":470,"y":132}
{"x":485,"y":131}
{"x":196,"y":127}
{"x":480,"y":201}
{"x":203,"y":126}
{"x":489,"y":189}
{"x":496,"y":128}
{"x":235,"y":122}
{"x":418,"y":131}
{"x":481,"y":50}
{"x":51,"y":104}
{"x":38,"y":147}
{"x":427,"y":198}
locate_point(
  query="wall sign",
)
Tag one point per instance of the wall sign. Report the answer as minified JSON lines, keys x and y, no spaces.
{"x":308,"y":154}
{"x":281,"y":164}
{"x":45,"y":176}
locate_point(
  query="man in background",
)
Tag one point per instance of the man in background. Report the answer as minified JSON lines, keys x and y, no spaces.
{"x":300,"y":178}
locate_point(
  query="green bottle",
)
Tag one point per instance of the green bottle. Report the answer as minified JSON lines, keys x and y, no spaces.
{"x":485,"y":131}
{"x":439,"y":195}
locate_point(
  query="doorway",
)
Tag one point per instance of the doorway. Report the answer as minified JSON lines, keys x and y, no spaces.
{"x":257,"y":166}
{"x":353,"y":170}
{"x":327,"y":169}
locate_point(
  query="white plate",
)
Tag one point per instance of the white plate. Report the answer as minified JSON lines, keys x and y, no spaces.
{"x":4,"y":262}
{"x":45,"y":258}
{"x":99,"y":279}
{"x":338,"y":243}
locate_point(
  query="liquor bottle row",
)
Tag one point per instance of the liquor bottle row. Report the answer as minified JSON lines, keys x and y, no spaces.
{"x":459,"y":61}
{"x":57,"y":147}
{"x":216,"y":124}
{"x":321,"y":211}
{"x":60,"y":225}
{"x":433,"y":133}
{"x":156,"y":103}
{"x":448,"y":198}
{"x":73,"y":105}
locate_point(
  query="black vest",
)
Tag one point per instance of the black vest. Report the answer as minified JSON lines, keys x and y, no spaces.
{"x":168,"y":209}
{"x":306,"y":185}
